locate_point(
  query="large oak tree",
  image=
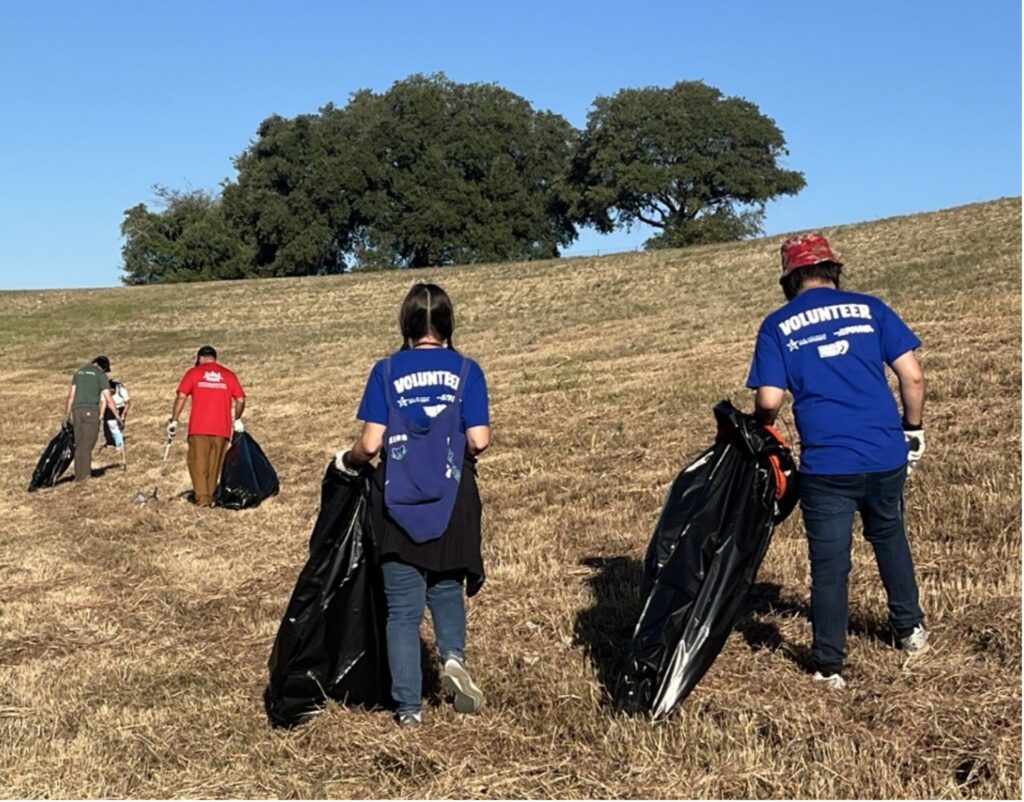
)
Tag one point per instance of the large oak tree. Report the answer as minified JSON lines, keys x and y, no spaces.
{"x":692,"y":163}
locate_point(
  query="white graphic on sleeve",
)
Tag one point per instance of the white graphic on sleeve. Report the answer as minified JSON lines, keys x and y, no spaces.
{"x":837,"y":348}
{"x":823,"y":314}
{"x":793,"y":345}
{"x":848,"y":330}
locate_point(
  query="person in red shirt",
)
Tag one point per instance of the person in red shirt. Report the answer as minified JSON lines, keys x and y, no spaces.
{"x":214,"y":390}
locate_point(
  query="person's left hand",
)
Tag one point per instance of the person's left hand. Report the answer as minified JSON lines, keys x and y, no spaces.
{"x":341,"y":462}
{"x":239,"y":426}
{"x":914,"y":435}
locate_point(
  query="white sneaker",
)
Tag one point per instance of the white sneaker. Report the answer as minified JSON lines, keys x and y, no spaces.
{"x":413,"y":719}
{"x":455,"y":679}
{"x":914,"y":642}
{"x":833,"y":681}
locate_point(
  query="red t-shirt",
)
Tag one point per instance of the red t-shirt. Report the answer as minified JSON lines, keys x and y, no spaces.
{"x":212,"y":387}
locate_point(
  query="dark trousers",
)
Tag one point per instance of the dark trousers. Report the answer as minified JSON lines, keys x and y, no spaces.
{"x":409,"y":589}
{"x":86,"y":421}
{"x":205,"y":457}
{"x":828,"y":504}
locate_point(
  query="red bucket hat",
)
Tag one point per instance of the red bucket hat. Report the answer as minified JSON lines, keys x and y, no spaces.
{"x":806,"y":250}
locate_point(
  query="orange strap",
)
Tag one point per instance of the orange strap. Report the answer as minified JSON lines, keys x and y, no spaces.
{"x":780,"y":477}
{"x":776,"y":434}
{"x":773,"y":460}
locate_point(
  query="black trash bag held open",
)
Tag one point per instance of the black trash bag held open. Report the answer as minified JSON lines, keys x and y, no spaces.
{"x":247,"y":477}
{"x":707,"y":546}
{"x":55,"y":459}
{"x":332,"y":642}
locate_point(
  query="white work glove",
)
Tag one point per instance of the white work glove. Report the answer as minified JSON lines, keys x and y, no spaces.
{"x":341,"y":463}
{"x":239,"y":426}
{"x":172,"y":429}
{"x":914,"y":435}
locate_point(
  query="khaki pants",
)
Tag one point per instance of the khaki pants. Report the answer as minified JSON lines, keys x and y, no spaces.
{"x":86,"y":421}
{"x":205,"y":457}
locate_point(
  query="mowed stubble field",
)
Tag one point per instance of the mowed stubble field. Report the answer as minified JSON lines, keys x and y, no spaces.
{"x":134,"y":639}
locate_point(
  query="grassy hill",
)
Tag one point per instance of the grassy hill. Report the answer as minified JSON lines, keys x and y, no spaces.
{"x":134,"y":639}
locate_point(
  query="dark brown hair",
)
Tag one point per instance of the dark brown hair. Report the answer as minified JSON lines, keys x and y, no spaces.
{"x":427,"y":309}
{"x":829,"y":271}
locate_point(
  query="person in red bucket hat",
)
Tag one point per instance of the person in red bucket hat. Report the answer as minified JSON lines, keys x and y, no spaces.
{"x":829,"y":348}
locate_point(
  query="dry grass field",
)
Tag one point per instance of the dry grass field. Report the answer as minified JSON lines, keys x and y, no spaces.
{"x":134,"y":638}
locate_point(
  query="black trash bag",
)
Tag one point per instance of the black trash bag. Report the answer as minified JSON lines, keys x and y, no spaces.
{"x":332,"y":642}
{"x":247,"y":477}
{"x":707,"y":546}
{"x":56,"y":458}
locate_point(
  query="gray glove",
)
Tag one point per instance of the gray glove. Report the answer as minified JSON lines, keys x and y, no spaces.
{"x":239,"y":426}
{"x":172,"y":429}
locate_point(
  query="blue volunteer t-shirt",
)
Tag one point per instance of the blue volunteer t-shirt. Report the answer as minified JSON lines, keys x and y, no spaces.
{"x":829,"y":348}
{"x":425,"y":381}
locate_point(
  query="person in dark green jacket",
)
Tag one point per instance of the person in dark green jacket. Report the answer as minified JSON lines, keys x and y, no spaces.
{"x":88,"y":397}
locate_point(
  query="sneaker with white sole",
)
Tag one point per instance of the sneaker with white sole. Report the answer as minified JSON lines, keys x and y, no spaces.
{"x":455,"y":679}
{"x":411,"y":719}
{"x":915,"y":641}
{"x":834,"y":681}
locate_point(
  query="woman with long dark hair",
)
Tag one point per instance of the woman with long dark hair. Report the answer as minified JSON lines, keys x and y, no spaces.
{"x":425,"y":411}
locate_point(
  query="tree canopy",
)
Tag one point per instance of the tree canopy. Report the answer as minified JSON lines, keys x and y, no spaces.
{"x":430,"y":172}
{"x":188,"y":241}
{"x":692,"y":163}
{"x":436,"y":172}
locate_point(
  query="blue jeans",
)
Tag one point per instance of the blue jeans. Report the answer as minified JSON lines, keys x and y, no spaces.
{"x":828,"y":504}
{"x":407,"y":589}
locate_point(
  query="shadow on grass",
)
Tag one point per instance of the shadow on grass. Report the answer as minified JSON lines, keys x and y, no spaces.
{"x":768,"y":599}
{"x":94,"y":473}
{"x":605,"y":629}
{"x":431,"y":667}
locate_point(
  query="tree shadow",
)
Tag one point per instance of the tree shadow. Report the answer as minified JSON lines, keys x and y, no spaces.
{"x":605,"y":629}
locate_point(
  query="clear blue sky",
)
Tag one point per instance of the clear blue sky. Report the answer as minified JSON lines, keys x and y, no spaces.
{"x":888,"y":107}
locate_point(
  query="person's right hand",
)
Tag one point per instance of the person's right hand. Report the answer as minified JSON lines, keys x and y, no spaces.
{"x":172,"y":429}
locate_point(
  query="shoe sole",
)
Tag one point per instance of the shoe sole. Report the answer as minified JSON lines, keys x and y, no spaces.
{"x":468,"y":697}
{"x":910,"y":657}
{"x":832,"y":685}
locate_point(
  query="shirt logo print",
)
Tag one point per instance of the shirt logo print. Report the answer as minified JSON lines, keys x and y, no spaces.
{"x":838,"y":348}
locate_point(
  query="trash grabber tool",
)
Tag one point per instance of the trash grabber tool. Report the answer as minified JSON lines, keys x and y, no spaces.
{"x":140,"y":497}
